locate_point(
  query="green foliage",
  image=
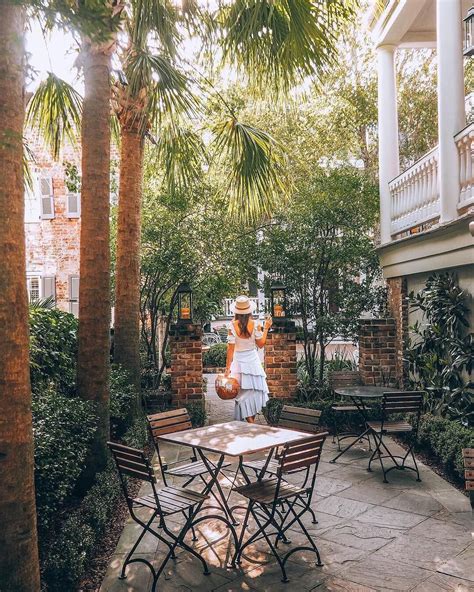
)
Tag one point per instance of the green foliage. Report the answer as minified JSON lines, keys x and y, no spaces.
{"x":137,"y":434}
{"x":446,"y":439}
{"x":69,"y":554}
{"x":441,"y":351}
{"x":123,"y":397}
{"x":197,"y":413}
{"x":63,"y":431}
{"x":53,"y":350}
{"x":215,"y":356}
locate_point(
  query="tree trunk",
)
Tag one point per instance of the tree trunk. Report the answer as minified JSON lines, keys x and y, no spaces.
{"x":19,"y":568}
{"x":127,"y":271}
{"x":94,"y":289}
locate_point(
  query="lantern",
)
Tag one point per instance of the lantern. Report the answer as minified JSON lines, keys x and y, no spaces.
{"x":278,"y":300}
{"x":185,"y":303}
{"x":469,"y":33}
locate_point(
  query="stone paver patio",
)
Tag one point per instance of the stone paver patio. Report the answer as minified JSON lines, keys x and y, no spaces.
{"x":372,"y":537}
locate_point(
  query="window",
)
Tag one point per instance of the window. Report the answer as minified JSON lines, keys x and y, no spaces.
{"x":32,"y":202}
{"x":74,"y":295}
{"x":33,"y":285}
{"x":48,"y":284}
{"x":47,"y":198}
{"x":73,"y":205}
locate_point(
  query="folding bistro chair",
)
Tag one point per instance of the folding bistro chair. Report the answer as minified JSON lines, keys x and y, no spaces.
{"x":397,"y":402}
{"x":276,"y":505}
{"x":192,"y":468}
{"x":292,"y":418}
{"x":468,"y":456}
{"x":162,"y":502}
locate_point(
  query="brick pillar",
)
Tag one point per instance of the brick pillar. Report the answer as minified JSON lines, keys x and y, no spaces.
{"x":280,"y":359}
{"x":378,"y":352}
{"x":398,"y":306}
{"x":186,"y":364}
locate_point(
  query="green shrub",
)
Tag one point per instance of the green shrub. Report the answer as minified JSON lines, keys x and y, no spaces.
{"x":215,"y":356}
{"x":197,"y":413}
{"x":445,"y":439}
{"x":122,"y":399}
{"x":63,"y":431}
{"x":137,"y":434}
{"x":53,"y":350}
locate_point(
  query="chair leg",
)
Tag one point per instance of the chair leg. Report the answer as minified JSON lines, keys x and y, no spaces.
{"x":146,"y":528}
{"x":237,"y":557}
{"x":376,"y":450}
{"x":284,"y":577}
{"x":311,"y":542}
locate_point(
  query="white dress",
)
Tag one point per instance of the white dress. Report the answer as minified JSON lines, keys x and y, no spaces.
{"x":247,"y":368}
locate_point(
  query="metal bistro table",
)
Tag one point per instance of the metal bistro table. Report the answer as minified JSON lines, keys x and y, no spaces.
{"x":235,"y":439}
{"x":359,"y":396}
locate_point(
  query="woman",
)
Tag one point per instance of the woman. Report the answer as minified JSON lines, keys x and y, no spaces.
{"x":243,"y":362}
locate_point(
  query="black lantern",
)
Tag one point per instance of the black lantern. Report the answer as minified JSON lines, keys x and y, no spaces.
{"x":469,"y":33}
{"x":278,"y":300}
{"x":185,"y":303}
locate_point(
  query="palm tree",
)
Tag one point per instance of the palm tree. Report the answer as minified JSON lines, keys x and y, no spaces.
{"x":19,"y":568}
{"x":275,"y":44}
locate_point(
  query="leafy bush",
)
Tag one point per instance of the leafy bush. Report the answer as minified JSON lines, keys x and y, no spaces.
{"x":53,"y":350}
{"x":215,"y":356}
{"x":122,"y":399}
{"x":446,"y":439}
{"x":137,"y":434}
{"x":63,"y":431}
{"x":197,"y":413}
{"x":441,"y":353}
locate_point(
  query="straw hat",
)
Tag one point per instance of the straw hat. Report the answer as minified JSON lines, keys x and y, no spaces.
{"x":243,"y":305}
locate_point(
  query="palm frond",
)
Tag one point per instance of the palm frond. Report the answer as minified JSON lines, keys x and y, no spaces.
{"x":56,"y":110}
{"x":280,"y":42}
{"x":158,"y":18}
{"x":28,"y":157}
{"x":160,"y":87}
{"x":182,"y":154}
{"x":256,"y":180}
{"x":47,"y":303}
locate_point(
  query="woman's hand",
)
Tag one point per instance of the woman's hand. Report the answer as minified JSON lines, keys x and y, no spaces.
{"x":268,"y":323}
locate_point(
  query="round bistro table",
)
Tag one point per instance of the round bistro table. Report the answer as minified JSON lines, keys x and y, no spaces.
{"x":359,"y":396}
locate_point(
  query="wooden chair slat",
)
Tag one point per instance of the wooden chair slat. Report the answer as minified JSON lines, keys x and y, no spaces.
{"x":136,"y":466}
{"x":300,"y":426}
{"x":136,"y":474}
{"x":171,"y":429}
{"x":164,"y":414}
{"x":127,"y":449}
{"x":167,"y":421}
{"x":469,"y":474}
{"x":301,"y":411}
{"x":469,"y":485}
{"x":468,"y":452}
{"x":300,"y":418}
{"x":469,"y":463}
{"x":306,"y":462}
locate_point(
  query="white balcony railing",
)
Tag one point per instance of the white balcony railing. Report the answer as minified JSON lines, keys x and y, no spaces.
{"x":465,"y":143}
{"x":229,"y":301}
{"x":415,"y":194}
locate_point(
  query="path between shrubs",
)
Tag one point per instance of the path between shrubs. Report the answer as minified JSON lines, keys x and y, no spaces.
{"x":373,"y":537}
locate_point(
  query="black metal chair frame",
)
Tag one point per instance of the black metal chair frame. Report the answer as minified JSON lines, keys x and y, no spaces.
{"x":131,"y":462}
{"x":357,"y":406}
{"x":168,"y":469}
{"x":397,"y":402}
{"x":281,"y":513}
{"x":291,"y":419}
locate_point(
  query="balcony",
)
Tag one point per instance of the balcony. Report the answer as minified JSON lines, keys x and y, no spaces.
{"x":229,"y":301}
{"x":414,"y":195}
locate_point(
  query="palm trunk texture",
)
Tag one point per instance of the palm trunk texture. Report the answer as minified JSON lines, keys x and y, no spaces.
{"x":19,"y":568}
{"x":127,"y":271}
{"x":93,"y":368}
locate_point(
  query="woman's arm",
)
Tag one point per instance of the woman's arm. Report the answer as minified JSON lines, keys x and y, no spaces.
{"x":230,"y":357}
{"x":263,"y":339}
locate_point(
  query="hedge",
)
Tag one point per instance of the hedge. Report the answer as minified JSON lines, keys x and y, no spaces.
{"x":215,"y":356}
{"x":67,"y":558}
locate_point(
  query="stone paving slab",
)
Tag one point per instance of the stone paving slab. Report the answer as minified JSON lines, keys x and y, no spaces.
{"x":372,"y":536}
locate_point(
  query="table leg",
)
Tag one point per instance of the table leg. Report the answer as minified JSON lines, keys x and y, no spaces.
{"x":359,"y":403}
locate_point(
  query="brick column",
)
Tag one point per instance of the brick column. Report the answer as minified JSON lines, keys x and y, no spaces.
{"x":186,"y":364}
{"x":280,"y":359}
{"x":398,"y":306}
{"x":378,"y":352}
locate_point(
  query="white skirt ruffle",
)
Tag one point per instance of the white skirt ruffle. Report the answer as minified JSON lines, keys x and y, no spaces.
{"x":247,"y":368}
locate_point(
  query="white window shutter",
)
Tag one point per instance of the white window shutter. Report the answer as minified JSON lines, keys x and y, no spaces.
{"x":47,"y":198}
{"x":49,"y":287}
{"x":74,"y":295}
{"x":73,"y":205}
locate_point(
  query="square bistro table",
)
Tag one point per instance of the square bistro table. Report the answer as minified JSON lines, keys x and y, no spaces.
{"x":235,"y":439}
{"x":359,"y":396}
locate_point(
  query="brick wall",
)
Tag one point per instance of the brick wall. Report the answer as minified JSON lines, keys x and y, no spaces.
{"x":378,"y":352}
{"x":398,"y":306}
{"x":186,"y":364}
{"x":280,"y":361}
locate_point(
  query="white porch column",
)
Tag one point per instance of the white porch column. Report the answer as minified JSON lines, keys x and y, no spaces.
{"x":389,"y":161}
{"x":451,"y":111}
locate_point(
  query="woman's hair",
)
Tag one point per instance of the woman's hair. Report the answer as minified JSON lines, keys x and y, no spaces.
{"x":243,"y":320}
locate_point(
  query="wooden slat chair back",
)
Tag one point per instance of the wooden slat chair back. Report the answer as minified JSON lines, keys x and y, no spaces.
{"x":169,"y":422}
{"x":468,"y":456}
{"x":299,"y":418}
{"x":402,"y":402}
{"x":342,"y":407}
{"x":343,"y":379}
{"x":302,"y":455}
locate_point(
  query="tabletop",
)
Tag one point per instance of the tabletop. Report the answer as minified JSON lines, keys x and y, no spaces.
{"x":235,"y":438}
{"x":364,"y":392}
